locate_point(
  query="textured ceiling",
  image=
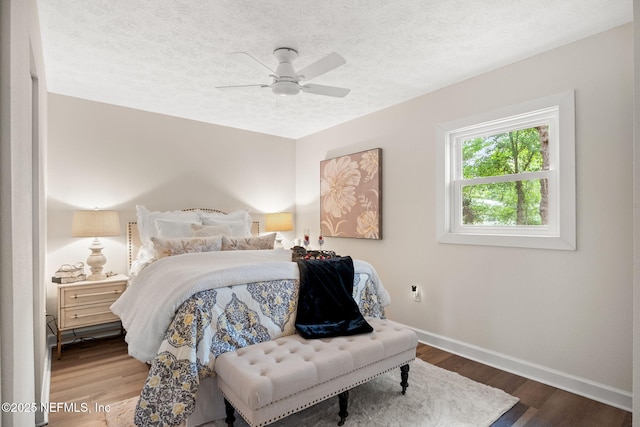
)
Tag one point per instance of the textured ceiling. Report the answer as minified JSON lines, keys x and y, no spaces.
{"x":167,"y":56}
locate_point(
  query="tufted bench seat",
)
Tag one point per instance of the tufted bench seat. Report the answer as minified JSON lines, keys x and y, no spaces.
{"x":268,"y":381}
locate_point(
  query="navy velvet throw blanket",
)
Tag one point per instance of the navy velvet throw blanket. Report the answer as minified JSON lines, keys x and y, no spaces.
{"x":326,"y":307}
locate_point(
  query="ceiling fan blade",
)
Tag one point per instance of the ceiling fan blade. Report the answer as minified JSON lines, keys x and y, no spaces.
{"x":250,"y":61}
{"x":240,"y":86}
{"x":321,"y":66}
{"x":338,"y":92}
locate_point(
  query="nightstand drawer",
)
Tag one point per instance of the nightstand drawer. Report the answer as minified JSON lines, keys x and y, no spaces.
{"x":75,"y":317}
{"x":79,"y":296}
{"x":86,"y":303}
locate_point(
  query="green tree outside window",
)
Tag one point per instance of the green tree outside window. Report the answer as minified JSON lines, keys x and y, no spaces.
{"x":517,"y":202}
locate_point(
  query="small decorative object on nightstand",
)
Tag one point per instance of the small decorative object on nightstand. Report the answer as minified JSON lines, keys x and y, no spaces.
{"x":87,"y":303}
{"x":68,"y":273}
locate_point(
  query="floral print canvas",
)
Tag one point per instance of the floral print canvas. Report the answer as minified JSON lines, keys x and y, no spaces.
{"x":350,"y":195}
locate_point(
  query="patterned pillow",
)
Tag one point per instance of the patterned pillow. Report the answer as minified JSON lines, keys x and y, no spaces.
{"x":210,"y":230}
{"x":167,"y":247}
{"x":248,"y":243}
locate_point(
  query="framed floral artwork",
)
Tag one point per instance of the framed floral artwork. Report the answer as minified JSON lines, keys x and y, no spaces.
{"x":351,"y":195}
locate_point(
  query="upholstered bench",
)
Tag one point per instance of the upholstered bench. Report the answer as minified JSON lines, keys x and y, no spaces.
{"x":271,"y":380}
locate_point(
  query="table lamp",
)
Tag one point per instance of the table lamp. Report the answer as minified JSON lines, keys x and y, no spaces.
{"x":96,"y":223}
{"x":280,"y":221}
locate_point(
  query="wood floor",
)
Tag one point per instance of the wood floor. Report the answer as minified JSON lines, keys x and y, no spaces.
{"x":96,"y":372}
{"x":101,"y":373}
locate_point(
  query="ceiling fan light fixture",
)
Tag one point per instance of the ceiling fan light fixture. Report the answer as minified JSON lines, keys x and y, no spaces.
{"x":285,"y":88}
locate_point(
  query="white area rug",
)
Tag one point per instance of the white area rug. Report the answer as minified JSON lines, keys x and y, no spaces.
{"x":435,"y":398}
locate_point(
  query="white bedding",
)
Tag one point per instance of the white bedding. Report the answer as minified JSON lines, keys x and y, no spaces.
{"x":147,"y":307}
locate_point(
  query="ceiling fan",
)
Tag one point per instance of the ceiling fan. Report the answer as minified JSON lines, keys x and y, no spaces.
{"x":287,"y":81}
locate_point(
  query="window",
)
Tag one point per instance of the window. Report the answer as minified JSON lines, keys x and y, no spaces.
{"x":507,"y":177}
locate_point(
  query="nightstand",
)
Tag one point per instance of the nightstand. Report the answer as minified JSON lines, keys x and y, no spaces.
{"x":86,"y":303}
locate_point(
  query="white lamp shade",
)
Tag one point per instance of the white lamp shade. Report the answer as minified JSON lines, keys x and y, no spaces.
{"x":281,"y":221}
{"x":95,"y":223}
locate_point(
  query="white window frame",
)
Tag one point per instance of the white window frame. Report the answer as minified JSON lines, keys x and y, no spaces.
{"x":560,"y":233}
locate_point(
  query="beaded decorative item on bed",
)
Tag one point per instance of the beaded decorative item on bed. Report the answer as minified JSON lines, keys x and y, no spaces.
{"x":298,"y":252}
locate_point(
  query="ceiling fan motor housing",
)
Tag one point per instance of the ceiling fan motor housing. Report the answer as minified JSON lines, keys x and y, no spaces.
{"x":285,"y":83}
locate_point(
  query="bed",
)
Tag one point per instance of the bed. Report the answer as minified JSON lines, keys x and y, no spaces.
{"x":196,"y":296}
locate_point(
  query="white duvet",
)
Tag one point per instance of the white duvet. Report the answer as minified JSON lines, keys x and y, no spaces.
{"x":148,"y":305}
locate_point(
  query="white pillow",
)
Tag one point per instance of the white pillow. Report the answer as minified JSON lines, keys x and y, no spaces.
{"x":170,"y":228}
{"x":240,"y":221}
{"x":146,"y":220}
{"x":145,"y":253}
{"x":210,"y":230}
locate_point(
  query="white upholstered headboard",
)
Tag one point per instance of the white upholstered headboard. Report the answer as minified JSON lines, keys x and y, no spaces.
{"x":133,"y":236}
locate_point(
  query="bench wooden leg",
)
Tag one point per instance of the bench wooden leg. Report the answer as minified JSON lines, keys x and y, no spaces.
{"x":343,"y":399}
{"x":229,"y":409}
{"x":404,"y":376}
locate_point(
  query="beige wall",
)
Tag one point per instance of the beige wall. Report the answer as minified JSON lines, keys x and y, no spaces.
{"x":533,"y":311}
{"x":114,"y":158}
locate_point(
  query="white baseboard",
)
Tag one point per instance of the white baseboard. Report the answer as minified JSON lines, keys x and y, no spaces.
{"x":581,"y":386}
{"x":46,"y":384}
{"x":51,"y":341}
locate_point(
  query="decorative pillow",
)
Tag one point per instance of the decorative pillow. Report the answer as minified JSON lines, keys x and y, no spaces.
{"x":168,"y":247}
{"x":239,"y":221}
{"x":326,"y":307}
{"x":210,"y":230}
{"x":170,"y":228}
{"x":146,"y":220}
{"x":248,"y":243}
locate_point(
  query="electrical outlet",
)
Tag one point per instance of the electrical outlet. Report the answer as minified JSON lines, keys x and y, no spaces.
{"x":415,"y":291}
